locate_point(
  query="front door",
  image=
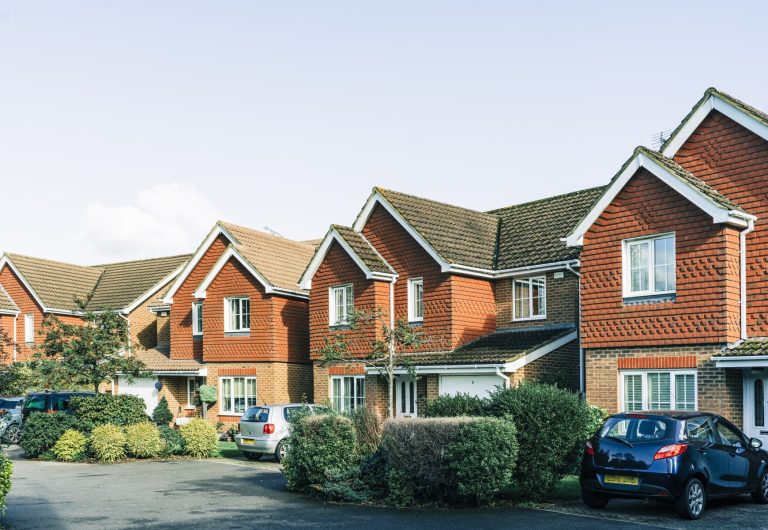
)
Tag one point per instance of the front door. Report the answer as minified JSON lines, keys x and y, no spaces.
{"x":405,"y":388}
{"x":756,"y":406}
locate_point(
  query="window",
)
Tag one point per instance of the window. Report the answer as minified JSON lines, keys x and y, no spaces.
{"x":700,"y":430}
{"x":649,"y":266}
{"x":658,"y":390}
{"x":29,"y":328}
{"x":529,"y":298}
{"x":237,"y":394}
{"x":348,"y":392}
{"x":416,"y":300}
{"x":197,"y":318}
{"x":729,"y":435}
{"x":633,"y":430}
{"x":237,"y":314}
{"x":759,"y":397}
{"x":256,"y":415}
{"x":193,"y":387}
{"x":342,"y":302}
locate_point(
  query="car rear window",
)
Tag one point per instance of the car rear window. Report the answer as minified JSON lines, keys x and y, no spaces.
{"x":256,"y":414}
{"x":638,"y":429}
{"x":290,"y":412}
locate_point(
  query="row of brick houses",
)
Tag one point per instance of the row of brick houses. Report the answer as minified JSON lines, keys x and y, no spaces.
{"x":649,"y":292}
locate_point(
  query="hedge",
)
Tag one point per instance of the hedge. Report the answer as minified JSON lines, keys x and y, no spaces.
{"x":42,"y":431}
{"x":200,"y":438}
{"x":122,"y":409}
{"x":456,"y":405}
{"x":6,"y":469}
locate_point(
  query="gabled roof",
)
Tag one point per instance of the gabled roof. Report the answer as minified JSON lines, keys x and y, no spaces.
{"x":158,"y":360}
{"x":357,"y":247}
{"x":712,"y":202}
{"x":7,"y":305}
{"x":277,"y":263}
{"x":714,"y":99}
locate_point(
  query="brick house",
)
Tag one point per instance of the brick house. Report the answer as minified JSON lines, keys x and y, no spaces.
{"x":32,"y":288}
{"x":495,"y":295}
{"x":674,"y":293}
{"x":235,"y":318}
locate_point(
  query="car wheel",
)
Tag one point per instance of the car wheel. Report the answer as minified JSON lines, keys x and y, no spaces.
{"x":595,"y":501}
{"x":280,"y":450}
{"x":252,"y":456}
{"x":13,"y":434}
{"x":691,"y":503}
{"x":760,"y":495}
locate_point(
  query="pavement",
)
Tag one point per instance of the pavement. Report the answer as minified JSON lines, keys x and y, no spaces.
{"x":234,"y":493}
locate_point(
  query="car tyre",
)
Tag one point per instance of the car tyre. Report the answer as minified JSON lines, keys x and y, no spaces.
{"x":760,"y":495}
{"x":13,"y":434}
{"x":252,"y":456}
{"x":692,"y":502}
{"x":280,"y":450}
{"x":596,"y":501}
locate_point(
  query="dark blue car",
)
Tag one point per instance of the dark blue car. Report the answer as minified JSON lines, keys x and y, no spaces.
{"x":682,"y":457}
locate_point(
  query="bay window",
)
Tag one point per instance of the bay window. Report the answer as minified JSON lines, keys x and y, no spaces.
{"x":529,"y":298}
{"x":237,"y":314}
{"x":649,"y":265}
{"x":237,"y":394}
{"x":347,"y":392}
{"x":658,"y":390}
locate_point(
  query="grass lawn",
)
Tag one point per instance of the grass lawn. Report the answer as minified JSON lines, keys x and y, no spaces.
{"x":229,"y":450}
{"x":566,"y":490}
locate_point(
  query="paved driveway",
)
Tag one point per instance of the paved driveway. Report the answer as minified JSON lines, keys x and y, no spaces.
{"x":218,"y":494}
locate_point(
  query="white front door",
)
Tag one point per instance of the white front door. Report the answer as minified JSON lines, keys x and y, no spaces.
{"x":756,"y":406}
{"x":405,"y":390}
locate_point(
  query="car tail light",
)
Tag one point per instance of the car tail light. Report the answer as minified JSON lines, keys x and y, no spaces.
{"x":668,"y":451}
{"x":589,"y":449}
{"x":269,"y":428}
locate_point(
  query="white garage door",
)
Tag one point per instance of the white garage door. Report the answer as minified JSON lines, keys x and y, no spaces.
{"x":475,"y":385}
{"x":144,"y":388}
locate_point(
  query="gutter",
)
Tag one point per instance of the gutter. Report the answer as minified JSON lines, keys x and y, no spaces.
{"x":504,"y":377}
{"x":743,"y":276}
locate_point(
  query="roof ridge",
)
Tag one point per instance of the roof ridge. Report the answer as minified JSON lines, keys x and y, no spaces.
{"x":385,"y":190}
{"x":535,"y":201}
{"x":186,"y":255}
{"x":58,"y":262}
{"x":265,"y":234}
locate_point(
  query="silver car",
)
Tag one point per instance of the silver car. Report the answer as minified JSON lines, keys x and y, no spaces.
{"x":263,"y":430}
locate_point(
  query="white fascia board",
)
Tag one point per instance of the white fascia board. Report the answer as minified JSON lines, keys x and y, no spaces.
{"x":718,"y":213}
{"x":202,"y":249}
{"x":143,"y":298}
{"x":742,"y":361}
{"x":322,"y":251}
{"x":231,"y":253}
{"x":5,"y":261}
{"x":9,"y":312}
{"x":534,"y":269}
{"x":378,"y":198}
{"x":538,"y":353}
{"x":714,"y":102}
{"x":458,"y":369}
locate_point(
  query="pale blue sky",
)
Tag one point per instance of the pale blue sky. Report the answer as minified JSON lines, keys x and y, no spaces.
{"x":127,"y":128}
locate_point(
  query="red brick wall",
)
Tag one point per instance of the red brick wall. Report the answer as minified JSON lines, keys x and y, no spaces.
{"x":6,"y":350}
{"x":734,"y":161}
{"x":706,"y":305}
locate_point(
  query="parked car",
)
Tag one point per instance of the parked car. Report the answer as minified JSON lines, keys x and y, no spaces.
{"x":263,"y":430}
{"x":10,"y":419}
{"x":681,"y":457}
{"x":49,"y":402}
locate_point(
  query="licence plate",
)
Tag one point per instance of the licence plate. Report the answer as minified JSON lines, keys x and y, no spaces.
{"x":622,"y":479}
{"x":246,"y":441}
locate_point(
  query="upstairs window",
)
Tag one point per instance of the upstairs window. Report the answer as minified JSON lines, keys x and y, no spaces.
{"x":649,"y":266}
{"x":416,"y":300}
{"x":529,"y":298}
{"x":29,"y":328}
{"x":237,"y":314}
{"x":197,"y":318}
{"x":342,"y":302}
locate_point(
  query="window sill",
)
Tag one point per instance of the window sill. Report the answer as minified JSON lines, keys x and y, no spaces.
{"x":197,"y":338}
{"x":339,"y":327}
{"x":649,"y":299}
{"x":232,"y":414}
{"x":237,"y":333}
{"x":416,"y":323}
{"x":189,"y":407}
{"x":530,"y":319}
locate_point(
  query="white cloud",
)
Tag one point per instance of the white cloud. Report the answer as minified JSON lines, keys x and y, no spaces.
{"x":165,"y":219}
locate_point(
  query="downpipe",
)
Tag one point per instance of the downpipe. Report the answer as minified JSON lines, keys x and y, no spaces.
{"x":503,"y":376}
{"x":743,"y":276}
{"x":582,"y":357}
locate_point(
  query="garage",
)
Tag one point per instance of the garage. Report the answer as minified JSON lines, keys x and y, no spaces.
{"x":141,"y":387}
{"x":474,"y":385}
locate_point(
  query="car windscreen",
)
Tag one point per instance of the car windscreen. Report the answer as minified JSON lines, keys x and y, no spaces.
{"x":35,"y":403}
{"x":10,"y":403}
{"x":634,"y":429}
{"x":256,"y":414}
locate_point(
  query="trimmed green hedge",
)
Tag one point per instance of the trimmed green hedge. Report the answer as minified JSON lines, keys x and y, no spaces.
{"x":102,"y":409}
{"x":456,"y":405}
{"x":42,"y":431}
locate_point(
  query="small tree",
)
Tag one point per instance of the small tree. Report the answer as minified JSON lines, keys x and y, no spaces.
{"x":385,"y":356}
{"x":90,"y":353}
{"x":162,"y":414}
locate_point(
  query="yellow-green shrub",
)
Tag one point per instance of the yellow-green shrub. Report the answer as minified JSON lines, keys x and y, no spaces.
{"x":142,"y":440}
{"x":71,"y":446}
{"x":6,"y":469}
{"x":108,"y":443}
{"x":200,"y":438}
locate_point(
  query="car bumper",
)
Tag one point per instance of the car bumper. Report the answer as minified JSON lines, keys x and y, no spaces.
{"x":650,"y":484}
{"x":253,"y":444}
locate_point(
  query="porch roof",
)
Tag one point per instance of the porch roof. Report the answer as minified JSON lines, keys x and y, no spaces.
{"x":159,"y":360}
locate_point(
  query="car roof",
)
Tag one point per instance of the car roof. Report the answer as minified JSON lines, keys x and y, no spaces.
{"x":287,"y":405}
{"x":12,"y":398}
{"x":673,"y":414}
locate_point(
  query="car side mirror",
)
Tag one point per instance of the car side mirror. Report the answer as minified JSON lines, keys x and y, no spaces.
{"x":755,"y":443}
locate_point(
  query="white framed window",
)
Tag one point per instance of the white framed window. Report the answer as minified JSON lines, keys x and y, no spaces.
{"x":529,"y":298}
{"x":341,"y":303}
{"x":347,"y":392}
{"x":658,"y":390}
{"x":237,"y":314}
{"x":197,"y":318}
{"x":29,"y":328}
{"x":193,"y":386}
{"x":416,"y":300}
{"x":237,"y":394}
{"x":649,"y":265}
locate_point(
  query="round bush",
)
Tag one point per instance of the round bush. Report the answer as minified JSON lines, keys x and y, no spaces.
{"x":123,"y":409}
{"x":320,"y":446}
{"x":173,"y":443}
{"x":71,"y":446}
{"x":6,"y":469}
{"x":142,"y":440}
{"x":42,"y":431}
{"x":200,"y":438}
{"x":107,"y":443}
